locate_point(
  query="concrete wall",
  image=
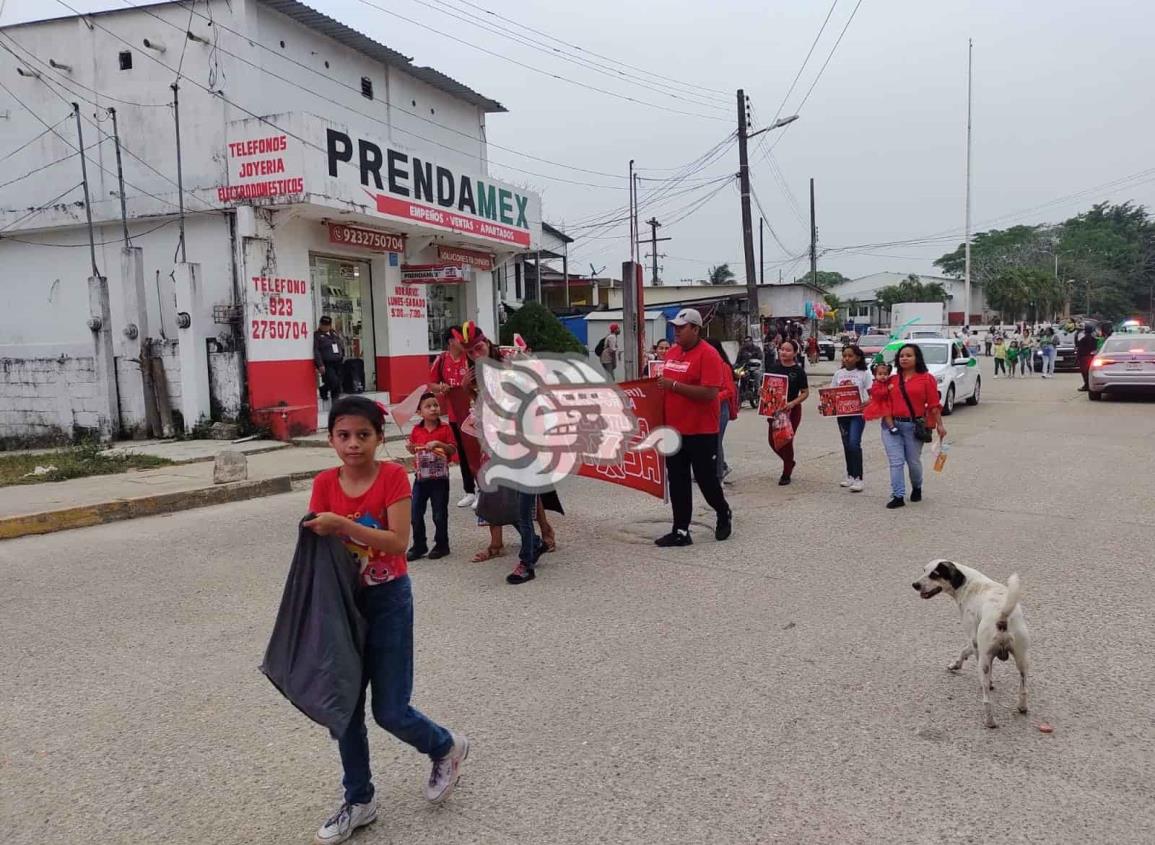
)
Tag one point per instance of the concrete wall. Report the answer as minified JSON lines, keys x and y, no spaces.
{"x":47,"y":392}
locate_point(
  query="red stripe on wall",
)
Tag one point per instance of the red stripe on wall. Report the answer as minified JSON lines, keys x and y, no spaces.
{"x":283,"y":396}
{"x":402,"y":374}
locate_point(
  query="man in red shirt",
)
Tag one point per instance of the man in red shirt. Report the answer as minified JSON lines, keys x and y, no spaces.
{"x":448,"y":372}
{"x":691,"y":382}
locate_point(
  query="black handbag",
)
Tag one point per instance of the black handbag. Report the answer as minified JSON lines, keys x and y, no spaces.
{"x":498,"y":507}
{"x":921,"y":433}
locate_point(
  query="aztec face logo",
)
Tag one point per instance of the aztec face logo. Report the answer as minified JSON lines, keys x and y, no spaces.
{"x":540,"y":418}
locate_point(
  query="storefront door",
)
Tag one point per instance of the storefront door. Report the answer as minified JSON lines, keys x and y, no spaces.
{"x":343,"y":289}
{"x":446,"y":308}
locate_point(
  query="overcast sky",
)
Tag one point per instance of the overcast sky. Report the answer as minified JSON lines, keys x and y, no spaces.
{"x":1062,"y":103}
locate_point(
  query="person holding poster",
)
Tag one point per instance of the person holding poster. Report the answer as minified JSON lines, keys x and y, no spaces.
{"x":448,"y":372}
{"x":798,"y":389}
{"x":728,"y":399}
{"x":691,"y":382}
{"x":853,"y":372}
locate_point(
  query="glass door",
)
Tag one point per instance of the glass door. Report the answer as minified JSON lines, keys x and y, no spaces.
{"x":343,"y":286}
{"x":446,"y":308}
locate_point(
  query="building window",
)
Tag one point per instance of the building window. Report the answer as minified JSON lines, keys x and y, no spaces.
{"x":126,"y":60}
{"x":366,"y":87}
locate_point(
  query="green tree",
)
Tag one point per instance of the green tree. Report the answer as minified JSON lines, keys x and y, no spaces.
{"x":721,"y":275}
{"x":826,"y":279}
{"x":911,"y":289}
{"x":541,"y":330}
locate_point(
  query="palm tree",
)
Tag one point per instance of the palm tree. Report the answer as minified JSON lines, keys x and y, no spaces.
{"x":721,"y":275}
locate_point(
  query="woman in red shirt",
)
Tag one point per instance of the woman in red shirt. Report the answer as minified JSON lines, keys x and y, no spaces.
{"x":913,"y":396}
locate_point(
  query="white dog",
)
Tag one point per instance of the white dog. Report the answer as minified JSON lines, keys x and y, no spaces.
{"x":991,"y":616}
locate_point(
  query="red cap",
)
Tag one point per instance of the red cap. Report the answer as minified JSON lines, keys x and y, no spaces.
{"x":613,"y":327}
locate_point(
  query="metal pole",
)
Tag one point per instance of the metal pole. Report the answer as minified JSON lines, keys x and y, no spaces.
{"x":761,"y":252}
{"x":179,"y":172}
{"x":84,"y":177}
{"x":813,"y":240}
{"x":967,"y":271}
{"x":120,"y":177}
{"x":747,"y":220}
{"x":565,"y":268}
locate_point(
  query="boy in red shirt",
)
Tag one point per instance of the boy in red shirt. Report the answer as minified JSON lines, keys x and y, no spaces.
{"x":366,"y":503}
{"x":432,"y":442}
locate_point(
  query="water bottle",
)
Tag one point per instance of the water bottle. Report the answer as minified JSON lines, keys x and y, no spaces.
{"x":940,"y":451}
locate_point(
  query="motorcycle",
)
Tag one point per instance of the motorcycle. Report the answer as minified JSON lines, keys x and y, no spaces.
{"x":749,"y":377}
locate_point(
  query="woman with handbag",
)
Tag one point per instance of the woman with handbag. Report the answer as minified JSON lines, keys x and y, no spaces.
{"x":797,"y":390}
{"x":917,"y":415}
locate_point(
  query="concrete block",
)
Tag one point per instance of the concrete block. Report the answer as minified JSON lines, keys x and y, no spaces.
{"x":229,"y":467}
{"x":224,"y":431}
{"x":87,"y":419}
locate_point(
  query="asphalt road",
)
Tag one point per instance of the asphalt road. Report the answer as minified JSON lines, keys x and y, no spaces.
{"x":785,"y":686}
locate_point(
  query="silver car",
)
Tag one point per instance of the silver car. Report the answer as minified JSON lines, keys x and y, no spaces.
{"x":1126,"y":362}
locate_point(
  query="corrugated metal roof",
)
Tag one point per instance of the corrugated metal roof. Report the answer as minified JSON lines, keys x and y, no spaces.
{"x":322,"y":23}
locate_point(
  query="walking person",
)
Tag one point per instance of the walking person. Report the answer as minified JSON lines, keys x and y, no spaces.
{"x":328,"y":358}
{"x":1027,"y":355}
{"x":366,"y":503}
{"x":1000,"y":356}
{"x":990,"y":340}
{"x":853,"y":371}
{"x":431,"y":442}
{"x":1012,"y":358}
{"x":691,"y":382}
{"x":1047,"y":344}
{"x":608,"y":348}
{"x":1085,"y":348}
{"x":915,"y":402}
{"x":448,"y":372}
{"x":728,"y":400}
{"x":798,"y":389}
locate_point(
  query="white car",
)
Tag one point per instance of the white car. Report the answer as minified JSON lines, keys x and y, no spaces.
{"x":952,"y":366}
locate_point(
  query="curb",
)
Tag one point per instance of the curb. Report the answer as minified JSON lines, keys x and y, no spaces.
{"x":49,"y":522}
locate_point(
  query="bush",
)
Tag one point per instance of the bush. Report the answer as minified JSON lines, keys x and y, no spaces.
{"x":541,"y":330}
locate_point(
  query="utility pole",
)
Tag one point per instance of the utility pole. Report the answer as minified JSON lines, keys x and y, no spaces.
{"x":761,"y":252}
{"x":84,"y":177}
{"x":179,"y":173}
{"x":654,"y":226}
{"x":967,"y":270}
{"x":120,"y":177}
{"x":747,"y":221}
{"x":813,"y":240}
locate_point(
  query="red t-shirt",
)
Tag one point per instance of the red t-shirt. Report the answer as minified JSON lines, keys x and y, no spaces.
{"x":923,"y":392}
{"x":452,"y":372}
{"x":702,"y":366}
{"x":422,"y":435}
{"x":369,"y":509}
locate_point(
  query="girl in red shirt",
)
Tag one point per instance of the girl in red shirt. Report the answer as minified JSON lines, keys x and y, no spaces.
{"x":913,"y":396}
{"x":366,"y":503}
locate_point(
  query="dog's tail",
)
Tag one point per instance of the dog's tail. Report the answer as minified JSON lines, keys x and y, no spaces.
{"x":1011,"y":601}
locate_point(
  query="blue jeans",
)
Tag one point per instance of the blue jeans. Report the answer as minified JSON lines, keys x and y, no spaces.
{"x":388,"y":667}
{"x":433,"y":491}
{"x":903,"y":450}
{"x":723,"y":421}
{"x":851,"y":429}
{"x":530,"y":543}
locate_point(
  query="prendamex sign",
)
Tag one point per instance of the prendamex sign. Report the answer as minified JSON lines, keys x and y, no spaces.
{"x":406,"y":186}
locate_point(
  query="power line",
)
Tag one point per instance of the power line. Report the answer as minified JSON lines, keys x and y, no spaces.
{"x":526,"y":66}
{"x":34,"y":140}
{"x":517,"y":38}
{"x":766,"y":218}
{"x":85,"y":245}
{"x":34,"y":171}
{"x":592,"y":53}
{"x":33,"y":212}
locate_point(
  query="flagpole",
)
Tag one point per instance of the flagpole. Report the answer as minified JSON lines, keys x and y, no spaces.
{"x":967,"y":285}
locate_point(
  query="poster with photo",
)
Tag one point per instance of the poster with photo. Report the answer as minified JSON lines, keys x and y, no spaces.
{"x":772,"y":397}
{"x":654,"y":369}
{"x":841,"y":401}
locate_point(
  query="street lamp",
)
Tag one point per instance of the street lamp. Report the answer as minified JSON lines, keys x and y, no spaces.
{"x":778,"y":124}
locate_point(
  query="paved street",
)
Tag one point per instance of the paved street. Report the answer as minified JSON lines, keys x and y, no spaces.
{"x":785,"y":686}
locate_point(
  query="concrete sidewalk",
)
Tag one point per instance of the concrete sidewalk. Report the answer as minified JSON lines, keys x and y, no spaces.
{"x":80,"y":502}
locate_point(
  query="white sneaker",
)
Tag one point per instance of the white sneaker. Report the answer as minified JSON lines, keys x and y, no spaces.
{"x":345,"y":821}
{"x":467,"y":500}
{"x":846,"y":482}
{"x":856,"y":486}
{"x":447,"y":770}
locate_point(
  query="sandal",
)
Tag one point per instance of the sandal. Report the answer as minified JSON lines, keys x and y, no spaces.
{"x":549,"y":544}
{"x":488,"y":554}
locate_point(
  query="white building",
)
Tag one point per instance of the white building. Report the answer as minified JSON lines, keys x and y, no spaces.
{"x":323,"y":173}
{"x":863,"y":293}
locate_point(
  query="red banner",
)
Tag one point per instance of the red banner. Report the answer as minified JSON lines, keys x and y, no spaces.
{"x":480,"y":260}
{"x":434,"y":216}
{"x":643,"y":470}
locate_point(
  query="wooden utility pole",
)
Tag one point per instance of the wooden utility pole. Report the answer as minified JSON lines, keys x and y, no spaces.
{"x":761,"y":252}
{"x":813,"y":239}
{"x":747,"y":218}
{"x":654,"y":226}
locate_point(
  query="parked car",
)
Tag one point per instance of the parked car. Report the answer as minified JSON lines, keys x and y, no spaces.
{"x":872,"y":344}
{"x":1065,"y":360}
{"x":826,"y":347}
{"x":1126,"y":362}
{"x":952,"y":366}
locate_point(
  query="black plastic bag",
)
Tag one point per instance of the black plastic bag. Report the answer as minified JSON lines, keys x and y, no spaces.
{"x":315,"y":652}
{"x":498,"y":507}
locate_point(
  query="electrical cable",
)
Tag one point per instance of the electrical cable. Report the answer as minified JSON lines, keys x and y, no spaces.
{"x":34,"y":171}
{"x":526,"y":66}
{"x":34,"y":140}
{"x":766,"y":217}
{"x":33,"y":212}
